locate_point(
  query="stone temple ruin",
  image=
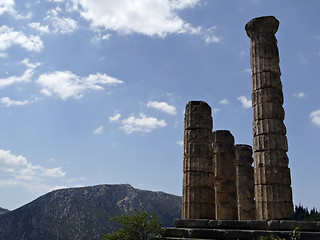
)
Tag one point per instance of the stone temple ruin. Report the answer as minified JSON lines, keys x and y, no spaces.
{"x":224,"y":195}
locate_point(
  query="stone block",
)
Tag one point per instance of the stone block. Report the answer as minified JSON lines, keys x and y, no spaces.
{"x":264,"y":50}
{"x":246,"y":214}
{"x":276,"y":158}
{"x":225,"y":186}
{"x":272,"y":175}
{"x":244,"y":161}
{"x":273,"y":193}
{"x":266,"y":80}
{"x":197,"y":115}
{"x":198,"y":195}
{"x":198,"y":149}
{"x":268,"y":126}
{"x":259,"y":65}
{"x":198,"y":135}
{"x":270,"y":142}
{"x":268,"y":110}
{"x":226,"y":212}
{"x":243,"y":150}
{"x":223,"y":136}
{"x":196,"y":210}
{"x":245,"y":171}
{"x":223,"y":149}
{"x":246,"y":201}
{"x":224,"y":162}
{"x":262,"y":27}
{"x":225,"y":175}
{"x":195,"y":164}
{"x":198,"y":179}
{"x":225,"y":198}
{"x":245,"y":181}
{"x":274,"y":210}
{"x":267,"y":95}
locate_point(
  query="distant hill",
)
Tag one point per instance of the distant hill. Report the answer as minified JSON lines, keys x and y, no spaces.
{"x":82,"y":213}
{"x":3,"y":211}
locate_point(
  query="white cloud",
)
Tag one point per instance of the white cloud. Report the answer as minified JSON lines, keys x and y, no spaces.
{"x":66,"y":84}
{"x":60,"y":24}
{"x":210,"y":36}
{"x":247,"y":70}
{"x":115,"y":118}
{"x":224,"y":101}
{"x":153,"y":18}
{"x":98,"y":130}
{"x":3,"y":55}
{"x":9,"y":37}
{"x":180,"y":143}
{"x":246,"y":103}
{"x":299,"y":95}
{"x":215,"y":110}
{"x":142,"y":124}
{"x":162,"y":106}
{"x":17,"y":171}
{"x":8,"y":102}
{"x":25,"y":77}
{"x":19,"y":167}
{"x":53,"y":172}
{"x":315,"y":117}
{"x":37,"y":26}
{"x":7,"y":6}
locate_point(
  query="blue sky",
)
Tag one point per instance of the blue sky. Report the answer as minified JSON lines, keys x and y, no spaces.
{"x":94,"y":91}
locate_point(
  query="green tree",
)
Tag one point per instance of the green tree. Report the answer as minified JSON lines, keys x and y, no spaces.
{"x":136,"y":225}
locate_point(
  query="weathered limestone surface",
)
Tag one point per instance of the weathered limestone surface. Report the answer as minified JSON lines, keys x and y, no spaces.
{"x":240,"y":230}
{"x":198,"y":170}
{"x":225,"y":175}
{"x":245,"y":182}
{"x":273,"y":192}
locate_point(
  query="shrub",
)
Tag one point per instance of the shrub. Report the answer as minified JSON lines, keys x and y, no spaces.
{"x":136,"y":225}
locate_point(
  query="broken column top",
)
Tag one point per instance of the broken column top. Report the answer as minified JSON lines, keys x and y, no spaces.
{"x":198,"y":116}
{"x":267,"y":24}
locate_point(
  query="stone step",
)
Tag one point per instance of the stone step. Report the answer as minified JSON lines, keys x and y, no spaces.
{"x":232,"y":234}
{"x":272,"y":225}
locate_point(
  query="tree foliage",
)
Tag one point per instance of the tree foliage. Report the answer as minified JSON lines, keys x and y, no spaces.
{"x":303,"y":214}
{"x":137,"y":225}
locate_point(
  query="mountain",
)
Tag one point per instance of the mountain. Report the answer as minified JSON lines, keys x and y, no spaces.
{"x":83,"y":213}
{"x":3,"y":211}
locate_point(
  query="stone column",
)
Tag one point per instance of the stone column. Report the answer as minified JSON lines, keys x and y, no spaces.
{"x":225,"y":175}
{"x":245,"y":182}
{"x":198,"y":177}
{"x":273,"y":192}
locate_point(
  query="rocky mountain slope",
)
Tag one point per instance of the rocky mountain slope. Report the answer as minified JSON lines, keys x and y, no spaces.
{"x":3,"y":211}
{"x":82,"y":213}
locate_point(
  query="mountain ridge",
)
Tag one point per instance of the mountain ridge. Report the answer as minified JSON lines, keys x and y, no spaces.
{"x":82,"y":213}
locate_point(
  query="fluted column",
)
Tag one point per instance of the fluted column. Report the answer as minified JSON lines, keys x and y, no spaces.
{"x":245,"y":182}
{"x":225,"y":175}
{"x":198,"y":177}
{"x":273,"y":192}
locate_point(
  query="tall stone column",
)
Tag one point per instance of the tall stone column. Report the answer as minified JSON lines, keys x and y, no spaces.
{"x":245,"y":182}
{"x":198,"y":177}
{"x":225,"y":175}
{"x":273,"y":192}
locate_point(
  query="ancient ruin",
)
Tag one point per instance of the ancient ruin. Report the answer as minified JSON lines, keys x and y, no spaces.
{"x":272,"y":176}
{"x":224,"y":196}
{"x":245,"y":182}
{"x":225,"y":175}
{"x":198,"y":172}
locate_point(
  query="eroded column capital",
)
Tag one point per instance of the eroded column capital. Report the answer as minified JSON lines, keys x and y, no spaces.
{"x":262,"y":25}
